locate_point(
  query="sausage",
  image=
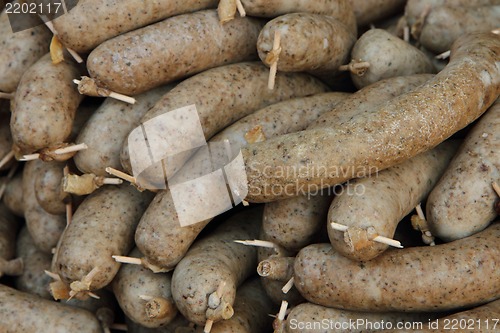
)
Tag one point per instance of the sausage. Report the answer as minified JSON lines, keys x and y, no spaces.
{"x":13,"y":195}
{"x":370,"y":11}
{"x":22,"y":312}
{"x":45,"y":228}
{"x":323,"y":157}
{"x":144,"y":296}
{"x":462,"y":203}
{"x":416,"y":9}
{"x":205,"y":280}
{"x":90,"y":23}
{"x":388,"y":56}
{"x":366,"y":100}
{"x":19,"y":50}
{"x":247,"y":80}
{"x":319,"y":319}
{"x":324,"y":48}
{"x":251,"y":311}
{"x":102,"y":226}
{"x":417,"y":279}
{"x":339,"y":9}
{"x":106,"y":129}
{"x":33,"y":280}
{"x":374,"y":206}
{"x":37,"y":122}
{"x":444,"y":25}
{"x":172,"y":49}
{"x":48,"y":188}
{"x":294,"y":223}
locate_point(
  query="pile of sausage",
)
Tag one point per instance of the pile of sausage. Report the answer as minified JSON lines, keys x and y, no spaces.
{"x":371,"y":167}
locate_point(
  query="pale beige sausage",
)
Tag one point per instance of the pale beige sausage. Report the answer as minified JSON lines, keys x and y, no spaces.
{"x":374,"y":206}
{"x":340,"y":9}
{"x":92,"y":22}
{"x":13,"y":195}
{"x":172,"y":49}
{"x":324,"y":48}
{"x":444,"y":25}
{"x":133,"y":282}
{"x":417,"y":279}
{"x":106,"y":129}
{"x":370,"y":11}
{"x":45,"y":104}
{"x":462,"y":203}
{"x":45,"y":228}
{"x":22,"y":312}
{"x":102,"y":226}
{"x":293,"y":223}
{"x":415,"y":9}
{"x":33,"y":280}
{"x":251,"y":311}
{"x":388,"y":56}
{"x":451,"y":100}
{"x":214,"y":263}
{"x":19,"y":50}
{"x":48,"y":188}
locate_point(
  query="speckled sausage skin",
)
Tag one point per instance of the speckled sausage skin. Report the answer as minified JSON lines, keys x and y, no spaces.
{"x":48,"y":187}
{"x":242,"y":90}
{"x":288,"y":116}
{"x":92,"y":22}
{"x":13,"y":195}
{"x":251,"y":311}
{"x":339,"y":9}
{"x":368,"y":99}
{"x":396,"y":131}
{"x":22,"y":312}
{"x":389,"y":56}
{"x":33,"y":280}
{"x":369,"y":11}
{"x":247,"y":81}
{"x":309,"y":313}
{"x":102,"y":226}
{"x":437,"y":278}
{"x":134,"y":281}
{"x":172,"y":49}
{"x":18,"y":51}
{"x":415,"y":8}
{"x":106,"y":129}
{"x":44,"y":228}
{"x":382,"y":201}
{"x":293,"y":223}
{"x":45,"y":104}
{"x":309,"y":42}
{"x":462,"y":203}
{"x":215,"y":260}
{"x":478,"y":320}
{"x":444,"y":25}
